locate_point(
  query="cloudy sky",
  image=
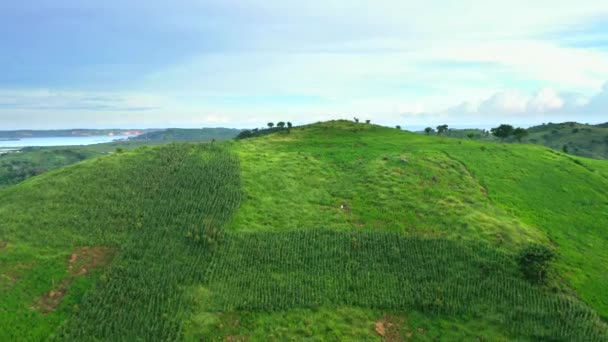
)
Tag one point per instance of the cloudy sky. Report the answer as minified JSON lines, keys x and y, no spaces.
{"x":241,"y":63}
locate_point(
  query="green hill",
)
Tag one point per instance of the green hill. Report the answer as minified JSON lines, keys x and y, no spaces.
{"x":334,"y":231}
{"x":583,"y":140}
{"x":578,"y":139}
{"x":183,"y":134}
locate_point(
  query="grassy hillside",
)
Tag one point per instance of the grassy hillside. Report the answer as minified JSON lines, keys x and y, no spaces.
{"x":182,"y":134}
{"x":335,"y":231}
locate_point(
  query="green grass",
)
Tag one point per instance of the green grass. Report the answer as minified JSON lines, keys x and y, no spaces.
{"x":330,"y":323}
{"x":318,"y":234}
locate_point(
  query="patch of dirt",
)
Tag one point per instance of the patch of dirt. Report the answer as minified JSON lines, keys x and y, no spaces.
{"x":79,"y":264}
{"x":3,"y":245}
{"x":86,"y":258}
{"x":391,"y":329}
{"x":51,"y":300}
{"x":237,"y":338}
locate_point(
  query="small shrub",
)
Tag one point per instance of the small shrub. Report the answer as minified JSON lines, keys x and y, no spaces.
{"x":534,"y":262}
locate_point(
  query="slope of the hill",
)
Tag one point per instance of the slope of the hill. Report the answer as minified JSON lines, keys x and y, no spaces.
{"x":334,"y":231}
{"x":182,"y":134}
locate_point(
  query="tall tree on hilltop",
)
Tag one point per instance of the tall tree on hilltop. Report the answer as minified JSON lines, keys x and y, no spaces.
{"x":503,"y":131}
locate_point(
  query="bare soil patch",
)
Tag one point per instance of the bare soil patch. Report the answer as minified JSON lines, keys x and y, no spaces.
{"x":395,"y":329}
{"x":79,"y":264}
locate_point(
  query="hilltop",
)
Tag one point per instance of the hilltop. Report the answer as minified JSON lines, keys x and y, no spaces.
{"x":334,"y":231}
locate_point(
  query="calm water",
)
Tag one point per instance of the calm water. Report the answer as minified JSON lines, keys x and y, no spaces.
{"x":60,"y":141}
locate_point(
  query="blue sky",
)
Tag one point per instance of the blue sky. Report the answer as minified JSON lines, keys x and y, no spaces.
{"x":242,"y":63}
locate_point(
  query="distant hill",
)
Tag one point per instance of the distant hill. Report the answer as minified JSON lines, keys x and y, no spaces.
{"x":19,"y":134}
{"x":583,"y":140}
{"x":18,"y":166}
{"x":334,"y":231}
{"x":182,"y":134}
{"x":572,"y":137}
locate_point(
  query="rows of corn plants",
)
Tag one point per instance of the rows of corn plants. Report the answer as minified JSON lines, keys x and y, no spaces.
{"x":268,"y":272}
{"x":186,"y":203}
{"x":160,"y":208}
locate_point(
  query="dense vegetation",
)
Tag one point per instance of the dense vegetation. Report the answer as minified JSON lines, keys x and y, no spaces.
{"x":18,"y":166}
{"x":334,"y":231}
{"x":182,"y":134}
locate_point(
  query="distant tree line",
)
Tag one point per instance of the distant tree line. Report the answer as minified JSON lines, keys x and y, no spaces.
{"x":501,"y":132}
{"x":281,"y":126}
{"x":505,"y":131}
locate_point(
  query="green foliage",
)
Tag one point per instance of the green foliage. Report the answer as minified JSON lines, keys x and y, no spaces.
{"x":281,"y":124}
{"x":428,"y":130}
{"x":520,"y":133}
{"x":270,"y":125}
{"x":18,"y":166}
{"x":534,"y":262}
{"x":442,"y":129}
{"x":503,"y":131}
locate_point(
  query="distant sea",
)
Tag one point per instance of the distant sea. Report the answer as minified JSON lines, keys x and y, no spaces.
{"x":59,"y":141}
